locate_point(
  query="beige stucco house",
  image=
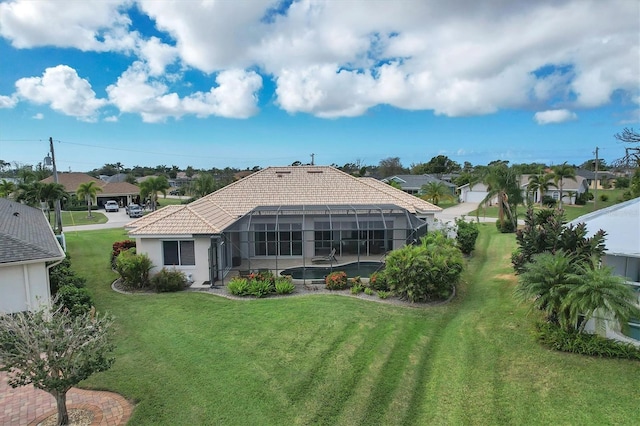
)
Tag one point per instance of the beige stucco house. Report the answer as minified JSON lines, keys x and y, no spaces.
{"x":279,"y":217}
{"x":28,"y":249}
{"x":124,"y":193}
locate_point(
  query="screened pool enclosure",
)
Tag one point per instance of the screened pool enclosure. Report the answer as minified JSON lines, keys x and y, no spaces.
{"x":280,"y":237}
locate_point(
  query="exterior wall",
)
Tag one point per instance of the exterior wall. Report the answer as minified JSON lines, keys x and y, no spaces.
{"x":153,"y":248}
{"x":23,"y":287}
{"x":474,"y":194}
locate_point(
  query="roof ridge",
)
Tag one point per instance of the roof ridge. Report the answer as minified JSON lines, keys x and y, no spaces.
{"x":202,"y":218}
{"x":175,"y":210}
{"x":393,"y":194}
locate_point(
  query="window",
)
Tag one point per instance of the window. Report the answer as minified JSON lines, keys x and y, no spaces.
{"x":285,"y":241}
{"x":179,"y":253}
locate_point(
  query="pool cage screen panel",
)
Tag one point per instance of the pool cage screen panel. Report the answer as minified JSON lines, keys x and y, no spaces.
{"x":277,"y":237}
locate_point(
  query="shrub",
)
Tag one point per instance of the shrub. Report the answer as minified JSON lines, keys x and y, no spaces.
{"x":76,"y":300}
{"x":383,"y":294}
{"x":62,"y":275}
{"x":555,"y":337}
{"x":466,"y":235}
{"x":169,"y":280}
{"x":505,"y":226}
{"x":284,"y":285}
{"x":133,"y":269}
{"x":377,"y":281}
{"x":604,"y":197}
{"x":622,"y":182}
{"x":548,"y":201}
{"x":368,"y":291}
{"x":118,"y":247}
{"x":238,"y":286}
{"x":263,"y":276}
{"x":425,"y":272}
{"x":336,"y":280}
{"x":357,"y":288}
{"x":260,"y":288}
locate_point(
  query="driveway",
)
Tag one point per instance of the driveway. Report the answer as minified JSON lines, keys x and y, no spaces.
{"x":459,"y":210}
{"x":115,"y":220}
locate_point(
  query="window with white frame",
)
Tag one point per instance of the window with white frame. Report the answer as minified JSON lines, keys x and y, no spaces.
{"x":178,"y":252}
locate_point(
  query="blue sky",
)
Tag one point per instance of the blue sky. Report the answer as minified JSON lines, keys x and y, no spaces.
{"x":240,"y":84}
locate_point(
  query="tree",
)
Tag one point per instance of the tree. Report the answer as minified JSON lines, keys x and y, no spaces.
{"x":7,"y":188}
{"x":151,"y":187}
{"x":54,"y":350}
{"x":390,"y":166}
{"x":591,"y":165}
{"x":50,"y":193}
{"x":502,"y":185}
{"x":600,"y":295}
{"x":438,"y":165}
{"x":435,"y":191}
{"x":632,"y":154}
{"x":88,"y":191}
{"x":545,"y":282}
{"x":560,"y":173}
{"x":204,"y":184}
{"x":539,"y":183}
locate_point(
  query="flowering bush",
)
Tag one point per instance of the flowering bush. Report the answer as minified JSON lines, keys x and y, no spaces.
{"x":336,"y":280}
{"x":377,"y":281}
{"x":120,"y":246}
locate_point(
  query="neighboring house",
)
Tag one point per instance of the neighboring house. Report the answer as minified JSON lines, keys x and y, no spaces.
{"x":123,"y":192}
{"x":593,"y":181}
{"x":621,"y":222}
{"x":570,"y":189}
{"x":473,"y":193}
{"x":28,"y":248}
{"x":412,"y":184}
{"x":280,"y":217}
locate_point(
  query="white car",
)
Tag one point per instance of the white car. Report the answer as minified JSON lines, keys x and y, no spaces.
{"x":111,"y":206}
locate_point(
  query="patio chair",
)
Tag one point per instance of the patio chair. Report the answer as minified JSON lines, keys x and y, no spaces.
{"x":331,"y":257}
{"x":243,"y":273}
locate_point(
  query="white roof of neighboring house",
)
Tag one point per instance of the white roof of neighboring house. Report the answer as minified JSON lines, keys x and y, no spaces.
{"x":621,"y":222}
{"x":274,"y":186}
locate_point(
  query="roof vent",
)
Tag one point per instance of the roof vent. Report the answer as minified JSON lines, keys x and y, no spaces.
{"x":314,"y":171}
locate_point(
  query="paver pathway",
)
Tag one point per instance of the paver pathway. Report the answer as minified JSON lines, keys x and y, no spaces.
{"x":27,"y":405}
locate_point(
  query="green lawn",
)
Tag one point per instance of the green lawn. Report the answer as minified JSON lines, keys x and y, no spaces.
{"x":80,"y":218}
{"x":571,"y":211}
{"x":193,"y":358}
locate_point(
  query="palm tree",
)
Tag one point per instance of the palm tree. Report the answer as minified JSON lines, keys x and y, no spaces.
{"x":29,"y":192}
{"x":599,"y":294}
{"x":204,"y":184}
{"x":50,"y":193}
{"x":502,"y":184}
{"x":6,"y":188}
{"x":546,"y":281}
{"x":539,"y":183}
{"x":151,"y":187}
{"x":435,"y":191}
{"x":561,"y":172}
{"x":88,"y":191}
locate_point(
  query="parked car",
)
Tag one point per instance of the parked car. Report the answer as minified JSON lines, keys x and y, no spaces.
{"x":111,"y":206}
{"x":134,"y":210}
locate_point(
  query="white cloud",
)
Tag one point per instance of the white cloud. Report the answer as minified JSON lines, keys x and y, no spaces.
{"x":8,"y":101}
{"x":85,"y":25}
{"x":554,"y":116}
{"x":338,"y":58}
{"x":38,"y":116}
{"x":233,"y":97}
{"x":62,"y":89}
{"x":111,"y":119}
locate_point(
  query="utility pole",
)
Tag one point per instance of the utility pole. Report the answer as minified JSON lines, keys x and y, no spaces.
{"x":312,"y":162}
{"x":595,"y":183}
{"x":55,"y":179}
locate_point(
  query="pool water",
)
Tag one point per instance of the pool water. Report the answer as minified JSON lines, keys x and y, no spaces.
{"x":355,"y":269}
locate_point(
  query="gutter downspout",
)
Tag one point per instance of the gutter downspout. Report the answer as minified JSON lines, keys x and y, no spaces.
{"x":49,"y":280}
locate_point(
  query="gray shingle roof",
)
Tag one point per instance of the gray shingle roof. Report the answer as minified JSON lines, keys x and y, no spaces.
{"x":25,"y":234}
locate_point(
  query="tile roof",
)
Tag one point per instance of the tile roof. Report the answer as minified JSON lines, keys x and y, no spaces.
{"x":416,"y":181}
{"x":25,"y":234}
{"x":275,"y":186}
{"x":72,"y":180}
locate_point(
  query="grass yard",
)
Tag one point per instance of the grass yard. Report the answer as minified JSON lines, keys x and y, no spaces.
{"x":193,"y":358}
{"x":571,"y":211}
{"x":70,"y":218}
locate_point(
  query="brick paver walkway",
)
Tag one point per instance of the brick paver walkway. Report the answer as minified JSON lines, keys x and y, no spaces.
{"x":29,"y":406}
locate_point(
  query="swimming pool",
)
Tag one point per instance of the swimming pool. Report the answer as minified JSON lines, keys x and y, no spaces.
{"x":354,"y":269}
